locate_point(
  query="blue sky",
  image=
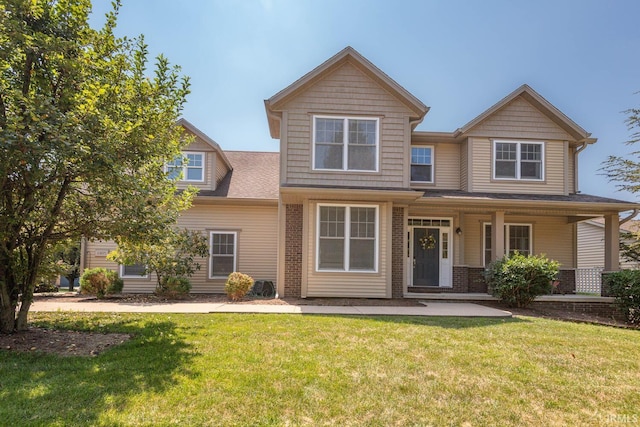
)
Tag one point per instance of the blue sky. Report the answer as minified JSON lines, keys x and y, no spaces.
{"x":458,"y":57}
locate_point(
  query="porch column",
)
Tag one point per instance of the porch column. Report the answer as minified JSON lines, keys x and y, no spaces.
{"x":497,"y":235}
{"x":611,"y":242}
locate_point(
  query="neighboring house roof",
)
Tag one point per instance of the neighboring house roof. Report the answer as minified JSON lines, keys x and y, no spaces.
{"x":632,"y":226}
{"x":534,"y":98}
{"x":350,"y":55}
{"x":198,"y":133}
{"x":255,"y":175}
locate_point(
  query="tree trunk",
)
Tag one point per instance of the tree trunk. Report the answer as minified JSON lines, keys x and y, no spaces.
{"x":7,"y":318}
{"x":21,"y":320}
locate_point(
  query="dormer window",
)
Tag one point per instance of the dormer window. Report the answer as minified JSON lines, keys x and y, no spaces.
{"x":187,"y":167}
{"x":345,"y":143}
{"x":518,"y":160}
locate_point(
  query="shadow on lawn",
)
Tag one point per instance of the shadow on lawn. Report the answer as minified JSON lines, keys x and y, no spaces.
{"x":40,"y":389}
{"x":447,"y":322}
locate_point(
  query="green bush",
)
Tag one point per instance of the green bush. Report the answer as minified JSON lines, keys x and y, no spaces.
{"x":518,"y":279}
{"x":100,"y":282}
{"x":237,"y":286}
{"x":625,"y":287}
{"x":173,"y":287}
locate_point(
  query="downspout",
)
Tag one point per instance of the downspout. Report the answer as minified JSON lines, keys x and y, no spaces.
{"x":581,"y":147}
{"x":629,"y":217}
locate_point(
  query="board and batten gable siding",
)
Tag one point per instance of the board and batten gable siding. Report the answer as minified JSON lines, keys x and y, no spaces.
{"x":552,"y":236}
{"x":256,"y":228}
{"x":348,"y":284}
{"x":347,"y":91}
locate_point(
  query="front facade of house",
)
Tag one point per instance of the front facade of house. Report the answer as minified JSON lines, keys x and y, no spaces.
{"x":360,"y":204}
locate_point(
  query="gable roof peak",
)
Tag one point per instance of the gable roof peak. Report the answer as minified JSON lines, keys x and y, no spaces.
{"x":538,"y":101}
{"x":352,"y":56}
{"x":204,"y":137}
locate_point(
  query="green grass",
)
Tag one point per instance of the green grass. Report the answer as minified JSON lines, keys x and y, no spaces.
{"x":243,"y":369}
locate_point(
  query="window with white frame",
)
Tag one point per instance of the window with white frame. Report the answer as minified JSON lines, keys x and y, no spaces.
{"x":421,"y":164}
{"x":347,"y":238}
{"x":345,"y":143}
{"x":517,"y":238}
{"x":222,"y":253}
{"x":189,"y":166}
{"x":134,"y":271}
{"x":518,"y":160}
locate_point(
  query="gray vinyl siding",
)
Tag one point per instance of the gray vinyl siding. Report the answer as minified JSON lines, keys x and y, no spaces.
{"x":346,"y":92}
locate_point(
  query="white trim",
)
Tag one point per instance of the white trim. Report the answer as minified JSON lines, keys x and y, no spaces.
{"x":507,"y":226}
{"x":518,"y":160}
{"x":345,"y":143}
{"x":185,"y":166}
{"x":235,"y":252}
{"x":432,"y":164}
{"x":128,"y":276}
{"x":347,"y":238}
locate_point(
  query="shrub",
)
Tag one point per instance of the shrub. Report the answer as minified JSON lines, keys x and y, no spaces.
{"x":100,"y":282}
{"x":237,"y":286}
{"x":173,"y":287}
{"x":518,"y":279}
{"x":625,"y":287}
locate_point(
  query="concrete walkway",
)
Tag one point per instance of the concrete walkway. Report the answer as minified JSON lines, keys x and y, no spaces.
{"x":454,"y":309}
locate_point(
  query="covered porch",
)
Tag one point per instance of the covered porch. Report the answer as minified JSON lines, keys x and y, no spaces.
{"x":485,"y":226}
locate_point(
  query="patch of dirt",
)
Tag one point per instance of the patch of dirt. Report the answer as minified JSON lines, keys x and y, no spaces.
{"x":60,"y":342}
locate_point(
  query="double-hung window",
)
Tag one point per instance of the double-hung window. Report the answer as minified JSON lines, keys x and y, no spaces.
{"x":518,"y":160}
{"x":421,"y":164}
{"x":517,"y":238}
{"x":134,"y":271}
{"x":345,"y":143}
{"x":347,"y":238}
{"x":223,"y":251}
{"x":189,"y":166}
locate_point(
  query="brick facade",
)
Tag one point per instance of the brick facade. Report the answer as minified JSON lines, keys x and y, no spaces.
{"x":293,"y":251}
{"x":567,"y":279}
{"x":397,"y":252}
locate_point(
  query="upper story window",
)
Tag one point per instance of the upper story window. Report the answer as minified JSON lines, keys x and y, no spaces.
{"x":518,"y":160}
{"x":187,"y":167}
{"x":345,"y":143}
{"x":421,"y":164}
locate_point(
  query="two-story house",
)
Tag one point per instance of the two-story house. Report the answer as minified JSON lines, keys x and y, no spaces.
{"x":360,"y":204}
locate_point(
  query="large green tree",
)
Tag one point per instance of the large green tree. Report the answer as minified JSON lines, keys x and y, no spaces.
{"x":625,"y":171}
{"x":85,"y":130}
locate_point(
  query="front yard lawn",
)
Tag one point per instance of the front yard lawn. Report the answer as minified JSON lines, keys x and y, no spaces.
{"x":260,"y":369}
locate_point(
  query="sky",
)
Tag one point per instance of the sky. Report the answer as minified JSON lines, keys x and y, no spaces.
{"x":458,"y":57}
